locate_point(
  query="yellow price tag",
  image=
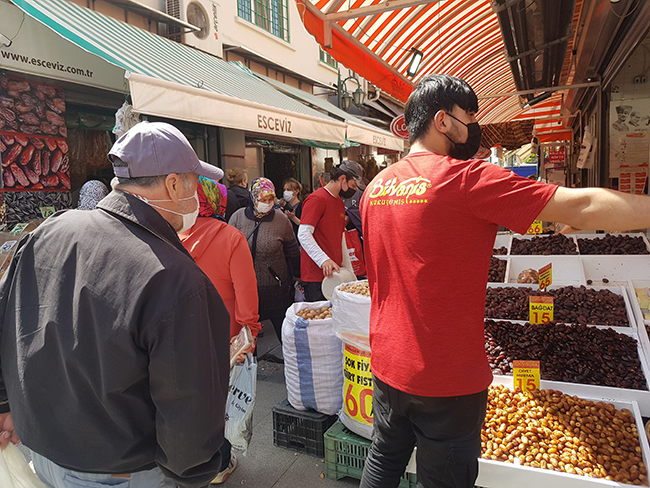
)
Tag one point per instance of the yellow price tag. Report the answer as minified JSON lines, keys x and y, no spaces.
{"x":545,"y":276}
{"x":541,"y":310}
{"x":526,"y":375}
{"x":535,"y":227}
{"x":357,"y":384}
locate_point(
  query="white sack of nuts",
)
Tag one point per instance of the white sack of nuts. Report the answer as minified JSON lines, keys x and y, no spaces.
{"x":351,"y":314}
{"x":313,"y":356}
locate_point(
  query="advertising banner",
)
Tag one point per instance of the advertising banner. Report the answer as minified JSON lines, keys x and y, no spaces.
{"x":629,"y":134}
{"x":33,"y":147}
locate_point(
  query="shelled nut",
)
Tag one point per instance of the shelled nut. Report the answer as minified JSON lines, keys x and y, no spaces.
{"x":550,"y":430}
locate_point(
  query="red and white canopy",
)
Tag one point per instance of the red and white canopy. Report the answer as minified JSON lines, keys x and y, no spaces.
{"x":462,"y":38}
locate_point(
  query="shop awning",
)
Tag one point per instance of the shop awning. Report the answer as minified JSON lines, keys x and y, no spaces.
{"x":357,"y":131}
{"x":171,"y":80}
{"x":462,"y":38}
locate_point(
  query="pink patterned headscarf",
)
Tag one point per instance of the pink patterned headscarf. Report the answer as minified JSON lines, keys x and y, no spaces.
{"x":260,"y":188}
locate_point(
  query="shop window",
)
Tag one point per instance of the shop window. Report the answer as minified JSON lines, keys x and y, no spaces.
{"x":270,"y":15}
{"x":327,"y":58}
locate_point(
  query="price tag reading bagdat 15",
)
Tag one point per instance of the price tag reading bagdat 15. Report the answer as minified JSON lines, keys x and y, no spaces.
{"x":526,"y":375}
{"x":535,"y":227}
{"x":541,"y":310}
{"x":545,"y":276}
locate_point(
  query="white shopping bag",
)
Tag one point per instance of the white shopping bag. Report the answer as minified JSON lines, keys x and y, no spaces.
{"x":15,"y":472}
{"x":240,"y":403}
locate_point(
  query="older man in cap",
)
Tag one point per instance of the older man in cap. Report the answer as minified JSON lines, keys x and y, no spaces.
{"x":114,"y":343}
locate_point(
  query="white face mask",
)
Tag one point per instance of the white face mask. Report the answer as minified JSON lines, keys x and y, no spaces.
{"x":189,"y":219}
{"x":263,"y":208}
{"x":288,"y":196}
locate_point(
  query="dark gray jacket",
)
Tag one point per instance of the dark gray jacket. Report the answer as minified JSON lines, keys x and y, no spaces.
{"x":115,"y":345}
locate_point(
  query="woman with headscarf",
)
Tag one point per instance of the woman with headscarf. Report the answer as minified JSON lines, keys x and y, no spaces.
{"x":91,"y":193}
{"x":221,"y":252}
{"x":274,"y":248}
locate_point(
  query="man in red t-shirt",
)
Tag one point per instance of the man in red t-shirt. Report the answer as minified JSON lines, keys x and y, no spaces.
{"x":430,"y":222}
{"x":321,"y":231}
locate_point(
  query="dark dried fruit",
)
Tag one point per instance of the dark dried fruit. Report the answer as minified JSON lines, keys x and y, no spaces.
{"x":497,"y":272}
{"x":19,"y":174}
{"x":571,"y":353}
{"x":572,"y":305}
{"x":613,"y":244}
{"x":546,"y":245}
{"x":26,"y":155}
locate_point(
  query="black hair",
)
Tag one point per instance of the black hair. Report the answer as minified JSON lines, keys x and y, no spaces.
{"x":336,"y":172}
{"x":431,"y":94}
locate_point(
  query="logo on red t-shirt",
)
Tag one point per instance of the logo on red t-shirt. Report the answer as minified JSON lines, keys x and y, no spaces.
{"x":408,"y":191}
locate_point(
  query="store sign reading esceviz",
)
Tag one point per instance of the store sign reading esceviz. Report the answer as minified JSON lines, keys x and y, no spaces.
{"x":274,"y":124}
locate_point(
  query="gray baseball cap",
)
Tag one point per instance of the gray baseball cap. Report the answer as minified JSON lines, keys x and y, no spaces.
{"x":158,"y":149}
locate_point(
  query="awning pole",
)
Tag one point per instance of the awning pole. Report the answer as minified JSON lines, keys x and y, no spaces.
{"x":538,"y":90}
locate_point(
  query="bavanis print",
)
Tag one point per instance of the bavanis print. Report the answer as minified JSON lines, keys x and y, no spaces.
{"x":416,"y":186}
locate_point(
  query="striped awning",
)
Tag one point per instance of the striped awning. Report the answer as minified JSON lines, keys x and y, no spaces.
{"x":462,"y":38}
{"x":172,"y":80}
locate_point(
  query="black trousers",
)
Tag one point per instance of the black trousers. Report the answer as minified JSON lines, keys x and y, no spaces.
{"x":313,"y":291}
{"x":446,"y":430}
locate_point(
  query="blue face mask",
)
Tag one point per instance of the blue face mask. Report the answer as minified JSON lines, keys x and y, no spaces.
{"x":465,"y":150}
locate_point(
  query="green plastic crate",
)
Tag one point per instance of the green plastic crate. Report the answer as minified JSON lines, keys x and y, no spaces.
{"x":346,"y":453}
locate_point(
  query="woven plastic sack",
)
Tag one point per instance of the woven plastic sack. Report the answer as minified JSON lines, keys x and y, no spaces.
{"x":15,"y":472}
{"x":351,"y":317}
{"x":240,"y":402}
{"x":313,"y":361}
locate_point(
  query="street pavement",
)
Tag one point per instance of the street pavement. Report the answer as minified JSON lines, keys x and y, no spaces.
{"x":265,"y":465}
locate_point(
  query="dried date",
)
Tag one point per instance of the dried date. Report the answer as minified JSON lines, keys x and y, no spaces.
{"x":497,"y":272}
{"x":570,"y":353}
{"x":26,"y":155}
{"x":19,"y":175}
{"x":502,"y":251}
{"x":11,"y":156}
{"x":572,"y":305}
{"x":613,"y":244}
{"x":547,"y":245}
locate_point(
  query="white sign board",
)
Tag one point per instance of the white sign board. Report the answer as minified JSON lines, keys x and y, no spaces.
{"x":37,"y":50}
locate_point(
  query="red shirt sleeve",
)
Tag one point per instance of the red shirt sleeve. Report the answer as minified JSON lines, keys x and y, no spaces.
{"x":500,"y":196}
{"x":312,"y":210}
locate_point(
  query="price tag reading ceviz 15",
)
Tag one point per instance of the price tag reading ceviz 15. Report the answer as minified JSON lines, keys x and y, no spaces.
{"x":541,"y":310}
{"x":535,"y":227}
{"x":526,"y":375}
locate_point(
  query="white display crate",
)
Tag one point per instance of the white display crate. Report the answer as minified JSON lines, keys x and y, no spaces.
{"x":497,"y":474}
{"x":610,"y":392}
{"x":618,"y":269}
{"x":601,"y":236}
{"x":503,"y":240}
{"x":641,"y":320}
{"x":528,"y":237}
{"x":567,"y":269}
{"x":618,"y":290}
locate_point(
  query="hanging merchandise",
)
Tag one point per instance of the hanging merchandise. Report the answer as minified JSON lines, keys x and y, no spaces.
{"x":125,"y":118}
{"x":584,"y":160}
{"x":33,"y":135}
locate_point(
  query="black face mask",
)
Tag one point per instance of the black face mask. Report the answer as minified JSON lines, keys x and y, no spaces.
{"x":470,"y":147}
{"x":349,"y":193}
